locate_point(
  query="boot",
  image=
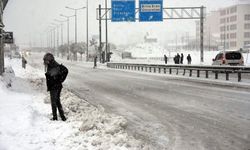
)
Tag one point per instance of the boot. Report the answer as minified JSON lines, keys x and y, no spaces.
{"x":63,"y":118}
{"x":54,"y":119}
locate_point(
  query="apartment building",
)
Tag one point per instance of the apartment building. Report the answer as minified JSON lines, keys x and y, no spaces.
{"x":235,"y":26}
{"x":228,"y":27}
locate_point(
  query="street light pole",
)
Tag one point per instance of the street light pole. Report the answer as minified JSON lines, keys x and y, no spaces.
{"x":67,"y":32}
{"x":61,"y":29}
{"x":87,"y":31}
{"x":106,"y":25}
{"x":75,"y":9}
{"x":57,"y":38}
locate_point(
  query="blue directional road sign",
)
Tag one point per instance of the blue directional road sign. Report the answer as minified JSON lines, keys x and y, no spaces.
{"x":123,"y":10}
{"x":150,"y":10}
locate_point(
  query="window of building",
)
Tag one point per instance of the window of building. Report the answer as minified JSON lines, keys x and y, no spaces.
{"x":222,"y":28}
{"x":222,"y":36}
{"x":228,"y":19}
{"x":233,"y":10}
{"x":223,"y":20}
{"x":246,"y":42}
{"x":228,"y":27}
{"x":247,"y":26}
{"x":228,"y":11}
{"x":233,"y":44}
{"x":233,"y":18}
{"x":233,"y":27}
{"x":247,"y":35}
{"x":223,"y":12}
{"x":247,"y":17}
{"x":228,"y":36}
{"x":233,"y":36}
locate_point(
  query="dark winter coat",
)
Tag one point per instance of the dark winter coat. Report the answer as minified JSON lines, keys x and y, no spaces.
{"x":178,"y":58}
{"x":53,"y":76}
{"x":189,"y":59}
{"x":181,"y":59}
{"x":165,"y":59}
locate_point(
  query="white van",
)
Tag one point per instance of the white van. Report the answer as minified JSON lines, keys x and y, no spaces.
{"x":233,"y":58}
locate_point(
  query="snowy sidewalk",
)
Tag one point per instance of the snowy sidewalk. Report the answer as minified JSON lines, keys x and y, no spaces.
{"x":25,"y":118}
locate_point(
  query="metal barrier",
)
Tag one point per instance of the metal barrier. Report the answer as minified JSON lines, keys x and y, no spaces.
{"x":227,"y":70}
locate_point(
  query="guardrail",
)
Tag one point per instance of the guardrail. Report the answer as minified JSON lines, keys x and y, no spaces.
{"x":157,"y":68}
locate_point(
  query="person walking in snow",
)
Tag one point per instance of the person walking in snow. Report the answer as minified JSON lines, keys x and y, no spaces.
{"x":181,"y":61}
{"x":189,"y":59}
{"x":165,"y":59}
{"x":178,"y":58}
{"x":24,"y":62}
{"x":55,"y":75}
{"x":95,"y":62}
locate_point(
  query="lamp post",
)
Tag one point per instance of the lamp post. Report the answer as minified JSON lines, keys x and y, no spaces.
{"x":87,"y":30}
{"x":75,"y":9}
{"x":52,"y":38}
{"x":61,"y":22}
{"x":67,"y":17}
{"x":57,"y":37}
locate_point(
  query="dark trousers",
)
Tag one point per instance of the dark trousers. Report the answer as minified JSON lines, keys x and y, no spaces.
{"x":56,"y":103}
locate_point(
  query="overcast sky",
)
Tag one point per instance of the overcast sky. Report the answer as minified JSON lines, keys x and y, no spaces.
{"x":30,"y":20}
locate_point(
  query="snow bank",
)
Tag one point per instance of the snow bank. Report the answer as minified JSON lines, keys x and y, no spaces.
{"x":146,"y":50}
{"x":25,"y":118}
{"x":98,"y":130}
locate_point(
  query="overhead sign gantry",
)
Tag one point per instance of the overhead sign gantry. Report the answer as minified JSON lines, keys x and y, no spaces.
{"x":152,"y":10}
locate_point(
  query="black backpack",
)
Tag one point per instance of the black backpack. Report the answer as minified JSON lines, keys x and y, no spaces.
{"x":63,"y":72}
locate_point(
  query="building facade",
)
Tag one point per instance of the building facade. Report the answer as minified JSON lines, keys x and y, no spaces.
{"x":235,"y":26}
{"x":227,"y":28}
{"x":211,"y":31}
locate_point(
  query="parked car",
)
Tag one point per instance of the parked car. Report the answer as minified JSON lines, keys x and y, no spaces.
{"x":232,"y":58}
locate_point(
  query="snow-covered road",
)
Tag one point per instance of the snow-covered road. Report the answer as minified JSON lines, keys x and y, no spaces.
{"x":166,"y":112}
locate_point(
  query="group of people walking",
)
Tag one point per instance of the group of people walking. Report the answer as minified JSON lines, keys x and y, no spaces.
{"x":178,"y":59}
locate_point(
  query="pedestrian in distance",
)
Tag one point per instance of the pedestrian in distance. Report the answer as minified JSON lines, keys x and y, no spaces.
{"x":175,"y":59}
{"x":95,"y":61}
{"x":181,"y":61}
{"x":178,"y":58}
{"x":55,"y":76}
{"x":165,"y":59}
{"x":189,"y":59}
{"x":24,"y":62}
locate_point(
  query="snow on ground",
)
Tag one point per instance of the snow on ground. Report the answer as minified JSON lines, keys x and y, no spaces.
{"x":152,"y":52}
{"x":26,"y":125}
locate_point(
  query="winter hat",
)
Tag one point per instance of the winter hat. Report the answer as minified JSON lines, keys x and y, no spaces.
{"x":48,"y":57}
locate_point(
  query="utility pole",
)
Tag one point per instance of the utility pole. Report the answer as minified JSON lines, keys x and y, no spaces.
{"x":202,"y":33}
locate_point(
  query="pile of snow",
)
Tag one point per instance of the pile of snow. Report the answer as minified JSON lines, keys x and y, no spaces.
{"x":154,"y":53}
{"x":147,"y":50}
{"x":26,"y":125}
